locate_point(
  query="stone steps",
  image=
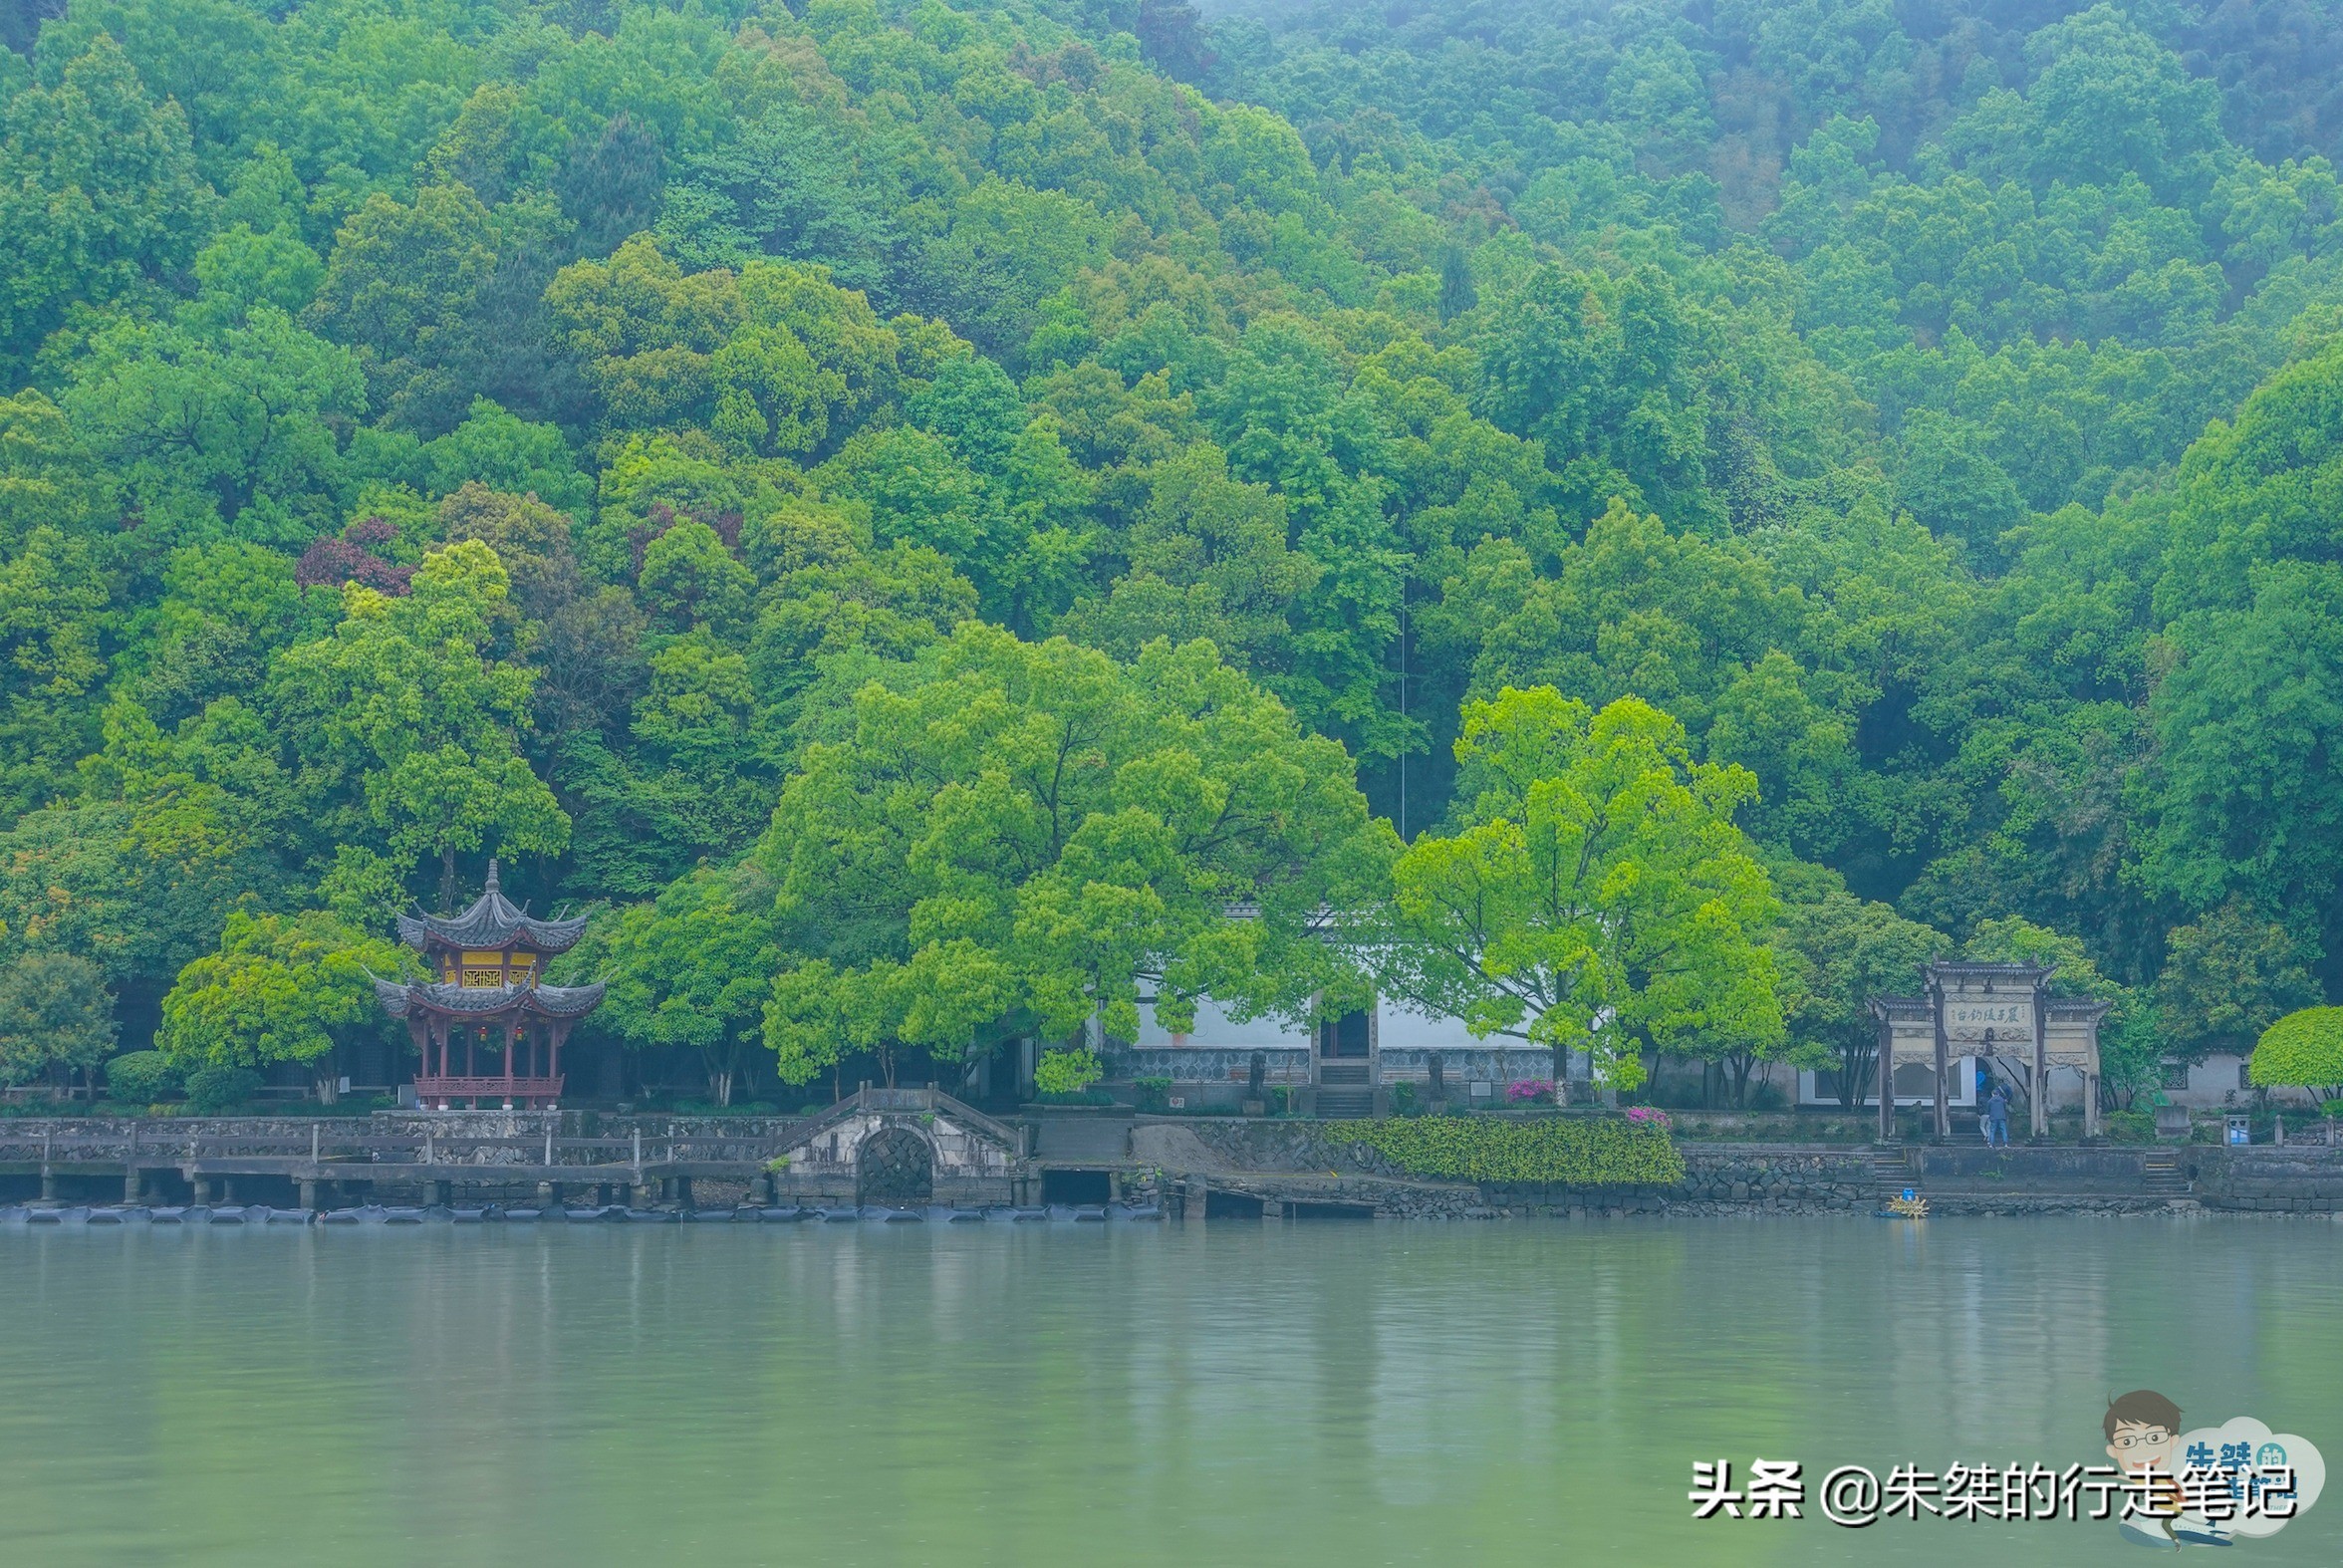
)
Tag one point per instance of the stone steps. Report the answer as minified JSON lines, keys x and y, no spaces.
{"x":1892,"y":1170}
{"x":1345,"y":1103}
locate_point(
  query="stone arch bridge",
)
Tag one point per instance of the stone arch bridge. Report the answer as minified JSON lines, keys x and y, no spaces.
{"x":904,"y":1147}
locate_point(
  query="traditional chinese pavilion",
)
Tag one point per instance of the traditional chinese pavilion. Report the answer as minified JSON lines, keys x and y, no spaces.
{"x":487,"y":999}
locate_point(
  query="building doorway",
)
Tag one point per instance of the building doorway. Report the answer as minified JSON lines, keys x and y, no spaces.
{"x":1344,"y":1037}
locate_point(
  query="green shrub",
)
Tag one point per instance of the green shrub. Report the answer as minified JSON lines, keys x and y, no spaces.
{"x":1403,"y":1098}
{"x":1067,"y":1072}
{"x":2302,"y":1050}
{"x":2131,"y":1127}
{"x":211,"y":1091}
{"x":142,"y":1078}
{"x":1571,"y":1150}
{"x":1152,"y":1094}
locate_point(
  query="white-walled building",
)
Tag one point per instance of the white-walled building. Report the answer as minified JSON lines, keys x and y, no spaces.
{"x":1340,"y":1066}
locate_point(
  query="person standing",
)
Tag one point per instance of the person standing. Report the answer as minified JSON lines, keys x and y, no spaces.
{"x":1997,"y":1117}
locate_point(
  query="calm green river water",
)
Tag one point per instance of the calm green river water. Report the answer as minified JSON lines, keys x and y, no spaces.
{"x":1330,"y":1393}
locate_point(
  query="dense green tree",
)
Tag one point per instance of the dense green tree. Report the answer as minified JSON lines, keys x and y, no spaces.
{"x":281,"y":989}
{"x":136,"y":893}
{"x":1934,"y":415}
{"x":610,"y":185}
{"x":1013,"y":837}
{"x":55,"y":1018}
{"x":2243,"y":785}
{"x":1596,"y":897}
{"x":224,"y":611}
{"x":243,"y":268}
{"x":1600,"y":372}
{"x":406,"y":726}
{"x":234,"y":433}
{"x":53,"y":602}
{"x":418,"y":288}
{"x":1208,"y":558}
{"x":2228,"y":976}
{"x":531,"y":541}
{"x":691,"y":968}
{"x":499,"y":449}
{"x":48,"y":476}
{"x":1843,"y":953}
{"x":101,"y":199}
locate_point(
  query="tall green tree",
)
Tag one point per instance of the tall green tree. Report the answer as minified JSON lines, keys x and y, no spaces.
{"x":101,"y":199}
{"x":1012,"y":838}
{"x":2244,"y":789}
{"x":1847,"y":951}
{"x":55,"y":1018}
{"x":406,"y":724}
{"x":280,"y":989}
{"x":237,"y":431}
{"x":1596,"y":896}
{"x":693,"y":970}
{"x":2228,"y":975}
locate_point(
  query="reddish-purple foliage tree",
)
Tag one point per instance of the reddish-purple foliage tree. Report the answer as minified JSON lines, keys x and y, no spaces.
{"x":329,"y":562}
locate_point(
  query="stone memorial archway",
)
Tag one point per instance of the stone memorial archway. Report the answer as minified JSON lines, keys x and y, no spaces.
{"x":1998,"y":1012}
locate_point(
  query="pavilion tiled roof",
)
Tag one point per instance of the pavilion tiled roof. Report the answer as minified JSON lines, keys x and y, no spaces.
{"x":491,"y":923}
{"x":551,"y":1001}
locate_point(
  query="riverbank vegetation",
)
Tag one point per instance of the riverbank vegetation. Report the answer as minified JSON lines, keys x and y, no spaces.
{"x":911,"y":509}
{"x":1573,"y":1150}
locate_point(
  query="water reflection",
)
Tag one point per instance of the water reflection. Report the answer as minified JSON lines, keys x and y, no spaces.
{"x":1288,"y":1395}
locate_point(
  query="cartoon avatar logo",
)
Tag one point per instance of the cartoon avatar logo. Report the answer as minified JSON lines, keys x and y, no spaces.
{"x":2210,"y":1486}
{"x":2141,"y":1429}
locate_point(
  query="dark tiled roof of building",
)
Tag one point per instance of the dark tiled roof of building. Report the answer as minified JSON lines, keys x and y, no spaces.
{"x":551,"y":1001}
{"x":491,"y":923}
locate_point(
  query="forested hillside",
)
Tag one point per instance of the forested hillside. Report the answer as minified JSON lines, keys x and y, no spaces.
{"x":657,"y":443}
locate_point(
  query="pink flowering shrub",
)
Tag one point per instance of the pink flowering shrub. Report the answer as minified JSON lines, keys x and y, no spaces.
{"x":1530,"y":1091}
{"x":1649,"y":1113}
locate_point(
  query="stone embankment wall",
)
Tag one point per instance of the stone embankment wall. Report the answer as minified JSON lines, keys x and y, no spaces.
{"x":400,"y":1123}
{"x":2284,"y":1178}
{"x":1720,"y":1178}
{"x":1736,"y":1177}
{"x":1313,"y":1160}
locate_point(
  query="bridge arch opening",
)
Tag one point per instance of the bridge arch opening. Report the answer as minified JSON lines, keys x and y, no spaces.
{"x":894,"y":1164}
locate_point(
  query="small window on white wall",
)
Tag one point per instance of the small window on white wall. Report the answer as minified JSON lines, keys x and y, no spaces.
{"x":2245,"y":1075}
{"x":2176,"y":1074}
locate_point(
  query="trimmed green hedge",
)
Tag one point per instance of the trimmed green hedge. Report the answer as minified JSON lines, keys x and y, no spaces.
{"x":1569,"y":1151}
{"x":2303,"y":1049}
